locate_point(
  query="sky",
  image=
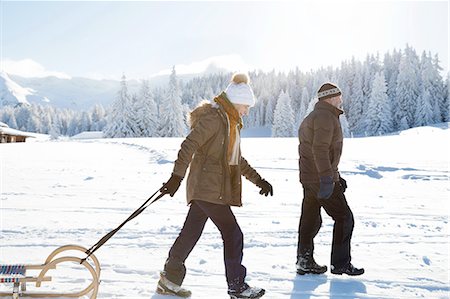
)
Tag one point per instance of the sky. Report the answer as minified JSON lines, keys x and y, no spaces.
{"x":105,"y":39}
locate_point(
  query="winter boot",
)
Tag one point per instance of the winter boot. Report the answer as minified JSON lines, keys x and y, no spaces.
{"x":246,"y":291}
{"x":166,"y":287}
{"x":349,"y":270}
{"x":307,"y":265}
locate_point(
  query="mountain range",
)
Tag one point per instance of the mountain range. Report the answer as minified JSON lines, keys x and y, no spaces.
{"x":76,"y":93}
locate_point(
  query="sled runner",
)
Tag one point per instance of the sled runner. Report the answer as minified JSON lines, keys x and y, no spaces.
{"x":19,"y":275}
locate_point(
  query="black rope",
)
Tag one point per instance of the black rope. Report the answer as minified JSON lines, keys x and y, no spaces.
{"x":108,"y":236}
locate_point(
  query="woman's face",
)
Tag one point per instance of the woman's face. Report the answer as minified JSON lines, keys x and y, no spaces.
{"x":242,"y":109}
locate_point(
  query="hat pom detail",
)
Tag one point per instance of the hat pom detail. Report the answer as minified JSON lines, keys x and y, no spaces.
{"x":240,"y":78}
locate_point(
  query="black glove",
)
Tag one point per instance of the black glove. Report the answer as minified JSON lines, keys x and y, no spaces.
{"x":265,"y":186}
{"x":326,"y":187}
{"x":343,"y":183}
{"x":172,"y":185}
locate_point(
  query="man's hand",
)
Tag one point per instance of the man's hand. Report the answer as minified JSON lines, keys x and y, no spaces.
{"x":326,"y":187}
{"x":266,"y":187}
{"x":172,"y":185}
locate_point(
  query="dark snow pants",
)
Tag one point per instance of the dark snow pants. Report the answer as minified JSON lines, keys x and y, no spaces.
{"x":233,"y":241}
{"x":310,"y":221}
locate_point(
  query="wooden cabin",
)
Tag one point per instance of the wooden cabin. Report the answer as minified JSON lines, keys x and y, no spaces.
{"x":8,"y":135}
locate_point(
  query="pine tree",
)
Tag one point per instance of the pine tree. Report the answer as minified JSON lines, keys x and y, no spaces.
{"x":23,"y":116}
{"x":119,"y":122}
{"x":407,"y":91}
{"x":270,"y":108}
{"x":283,"y":119}
{"x":446,"y":116}
{"x":85,"y":122}
{"x":439,"y":91}
{"x":379,"y":114}
{"x":427,"y":108}
{"x":355,"y":112}
{"x":135,"y":109}
{"x":8,"y":117}
{"x":147,"y":112}
{"x":391,"y":67}
{"x":306,"y":98}
{"x":344,"y":125}
{"x":424,"y":110}
{"x":98,"y":118}
{"x":171,"y":111}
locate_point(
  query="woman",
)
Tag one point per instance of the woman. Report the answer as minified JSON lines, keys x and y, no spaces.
{"x":212,"y":149}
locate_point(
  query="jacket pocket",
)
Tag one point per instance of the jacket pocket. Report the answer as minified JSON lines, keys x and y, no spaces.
{"x":210,"y":181}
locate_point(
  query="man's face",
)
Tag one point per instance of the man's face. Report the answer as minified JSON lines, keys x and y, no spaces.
{"x":242,"y":109}
{"x":336,"y":101}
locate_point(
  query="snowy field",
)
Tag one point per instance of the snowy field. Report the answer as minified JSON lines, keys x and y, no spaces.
{"x":74,"y":192}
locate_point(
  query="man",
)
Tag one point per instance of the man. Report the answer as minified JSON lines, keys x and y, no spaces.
{"x":320,"y":149}
{"x":212,"y":150}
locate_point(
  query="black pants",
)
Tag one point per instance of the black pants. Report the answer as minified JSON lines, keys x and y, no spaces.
{"x":233,"y":242}
{"x":310,"y":221}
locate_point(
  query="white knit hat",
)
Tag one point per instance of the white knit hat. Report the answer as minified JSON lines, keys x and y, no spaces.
{"x":240,"y":93}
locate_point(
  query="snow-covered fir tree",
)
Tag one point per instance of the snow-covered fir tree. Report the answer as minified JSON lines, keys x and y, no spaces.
{"x":407,"y":91}
{"x":119,"y":121}
{"x":355,"y":110}
{"x":427,"y":108}
{"x":147,"y":112}
{"x":283,"y":118}
{"x":270,"y":108}
{"x":133,"y":117}
{"x":439,"y":90}
{"x":379,"y":114}
{"x":172,"y":119}
{"x":446,"y":112}
{"x":98,"y":118}
{"x":306,"y":98}
{"x":344,"y":126}
{"x":391,"y":67}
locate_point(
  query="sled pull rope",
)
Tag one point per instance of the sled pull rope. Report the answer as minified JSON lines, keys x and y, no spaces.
{"x":108,"y":236}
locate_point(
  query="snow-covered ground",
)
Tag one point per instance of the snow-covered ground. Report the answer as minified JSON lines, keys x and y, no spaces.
{"x":73,"y":192}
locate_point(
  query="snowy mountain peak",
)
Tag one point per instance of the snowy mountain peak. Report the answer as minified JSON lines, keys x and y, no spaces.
{"x":12,"y":93}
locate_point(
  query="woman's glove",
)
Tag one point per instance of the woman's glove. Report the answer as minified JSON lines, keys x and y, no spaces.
{"x":172,"y":185}
{"x":265,"y":186}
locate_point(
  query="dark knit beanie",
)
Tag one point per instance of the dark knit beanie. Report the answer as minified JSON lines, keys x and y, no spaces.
{"x":328,"y":90}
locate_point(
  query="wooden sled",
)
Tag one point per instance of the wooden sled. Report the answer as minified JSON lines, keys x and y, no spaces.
{"x":17,"y":274}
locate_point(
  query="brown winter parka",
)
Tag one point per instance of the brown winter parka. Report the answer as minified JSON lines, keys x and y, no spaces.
{"x":321,"y":141}
{"x":211,"y":178}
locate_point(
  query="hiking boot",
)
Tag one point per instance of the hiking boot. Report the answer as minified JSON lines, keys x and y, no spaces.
{"x":349,"y":270}
{"x":166,"y":287}
{"x":307,"y":265}
{"x":246,"y":291}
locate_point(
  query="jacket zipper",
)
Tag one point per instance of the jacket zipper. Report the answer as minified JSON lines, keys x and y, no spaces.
{"x":225,"y":151}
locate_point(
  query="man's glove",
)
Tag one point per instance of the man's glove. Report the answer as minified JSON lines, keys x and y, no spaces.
{"x":172,"y":185}
{"x":326,"y":187}
{"x":343,"y":183}
{"x":265,"y":186}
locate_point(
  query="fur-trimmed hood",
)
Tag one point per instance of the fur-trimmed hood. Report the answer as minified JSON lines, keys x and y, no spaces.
{"x":203,"y":108}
